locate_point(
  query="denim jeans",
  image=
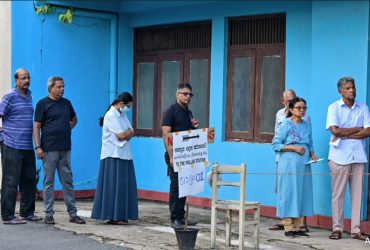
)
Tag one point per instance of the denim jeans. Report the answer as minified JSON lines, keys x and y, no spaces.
{"x":19,"y":171}
{"x":60,"y":161}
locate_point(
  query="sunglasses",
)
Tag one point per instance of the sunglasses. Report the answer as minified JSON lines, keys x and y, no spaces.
{"x":187,"y":94}
{"x":301,"y":108}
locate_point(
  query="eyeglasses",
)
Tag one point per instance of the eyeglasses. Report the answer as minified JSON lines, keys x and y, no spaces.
{"x":187,"y":94}
{"x":301,"y":108}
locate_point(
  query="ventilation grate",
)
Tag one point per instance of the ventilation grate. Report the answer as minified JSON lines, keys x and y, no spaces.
{"x":173,"y":38}
{"x":256,"y":30}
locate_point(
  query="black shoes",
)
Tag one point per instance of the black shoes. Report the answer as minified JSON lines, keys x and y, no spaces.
{"x":177,"y":224}
{"x":293,"y":234}
{"x":301,"y":233}
{"x":290,"y":234}
{"x":190,"y":222}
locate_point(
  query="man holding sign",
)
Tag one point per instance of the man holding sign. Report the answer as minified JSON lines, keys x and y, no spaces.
{"x":177,"y":118}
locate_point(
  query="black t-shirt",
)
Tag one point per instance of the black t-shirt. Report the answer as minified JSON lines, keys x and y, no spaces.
{"x":55,"y":117}
{"x":178,"y":118}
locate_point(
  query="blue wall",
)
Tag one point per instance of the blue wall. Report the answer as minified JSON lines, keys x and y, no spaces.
{"x":325,"y":40}
{"x":80,"y":53}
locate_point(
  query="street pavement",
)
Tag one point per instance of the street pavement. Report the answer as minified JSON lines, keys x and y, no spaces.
{"x":152,"y":231}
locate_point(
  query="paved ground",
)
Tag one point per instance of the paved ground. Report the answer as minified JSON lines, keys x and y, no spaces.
{"x":152,"y":231}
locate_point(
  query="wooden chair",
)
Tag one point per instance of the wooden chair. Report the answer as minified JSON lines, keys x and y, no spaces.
{"x":240,"y":205}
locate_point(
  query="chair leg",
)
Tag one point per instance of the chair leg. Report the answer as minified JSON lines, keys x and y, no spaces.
{"x":213,"y":226}
{"x":256,"y":227}
{"x":241,"y":228}
{"x":229,"y":221}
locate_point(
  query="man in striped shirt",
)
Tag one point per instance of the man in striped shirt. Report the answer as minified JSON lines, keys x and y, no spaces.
{"x":17,"y":154}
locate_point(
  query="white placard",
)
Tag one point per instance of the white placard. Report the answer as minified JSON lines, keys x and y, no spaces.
{"x":190,"y":157}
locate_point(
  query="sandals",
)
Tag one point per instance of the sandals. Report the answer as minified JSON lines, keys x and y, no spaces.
{"x":49,"y":220}
{"x":76,"y":219}
{"x":277,"y":226}
{"x":117,"y":222}
{"x":304,"y":229}
{"x":359,"y":236}
{"x":14,"y":221}
{"x":336,"y":235}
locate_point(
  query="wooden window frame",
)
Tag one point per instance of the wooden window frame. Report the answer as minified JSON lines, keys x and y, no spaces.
{"x":158,"y":57}
{"x":255,"y":102}
{"x":144,"y":59}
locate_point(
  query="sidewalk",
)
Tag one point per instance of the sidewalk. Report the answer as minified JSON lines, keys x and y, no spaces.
{"x":153,"y":231}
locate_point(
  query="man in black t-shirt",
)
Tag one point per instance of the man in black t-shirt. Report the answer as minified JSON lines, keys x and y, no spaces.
{"x":55,"y":117}
{"x":177,"y":118}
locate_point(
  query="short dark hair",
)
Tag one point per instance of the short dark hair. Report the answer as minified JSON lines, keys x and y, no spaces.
{"x":293,"y":102}
{"x":344,"y":80}
{"x":183,"y":86}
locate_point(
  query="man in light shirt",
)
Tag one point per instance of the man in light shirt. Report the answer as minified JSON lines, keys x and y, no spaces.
{"x":349,"y":123}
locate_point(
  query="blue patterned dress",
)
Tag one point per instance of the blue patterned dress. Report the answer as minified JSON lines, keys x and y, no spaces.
{"x":294,"y":198}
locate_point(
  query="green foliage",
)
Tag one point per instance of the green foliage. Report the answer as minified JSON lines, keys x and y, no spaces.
{"x":67,"y":16}
{"x":42,"y":7}
{"x":46,"y":9}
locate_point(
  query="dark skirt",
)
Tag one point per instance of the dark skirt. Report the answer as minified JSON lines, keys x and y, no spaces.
{"x":116,"y":192}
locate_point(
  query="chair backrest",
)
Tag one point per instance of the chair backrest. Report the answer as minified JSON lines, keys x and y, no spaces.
{"x":218,"y":170}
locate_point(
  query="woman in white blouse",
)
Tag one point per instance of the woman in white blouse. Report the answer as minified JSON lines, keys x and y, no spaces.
{"x":116,"y":191}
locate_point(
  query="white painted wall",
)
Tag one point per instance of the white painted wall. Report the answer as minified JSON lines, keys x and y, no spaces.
{"x":5,"y":51}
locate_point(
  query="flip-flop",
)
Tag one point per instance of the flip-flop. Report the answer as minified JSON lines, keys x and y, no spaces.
{"x":117,"y":222}
{"x":32,"y":218}
{"x":14,"y":221}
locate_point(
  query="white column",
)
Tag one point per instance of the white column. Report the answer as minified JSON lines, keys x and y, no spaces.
{"x":5,"y":51}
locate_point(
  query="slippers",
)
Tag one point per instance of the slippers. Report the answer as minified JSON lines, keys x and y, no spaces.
{"x":117,"y":222}
{"x":277,"y":227}
{"x":14,"y":221}
{"x":336,"y":235}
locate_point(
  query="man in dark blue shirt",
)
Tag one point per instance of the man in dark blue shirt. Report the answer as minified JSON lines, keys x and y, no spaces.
{"x":17,"y":155}
{"x":55,"y":117}
{"x":177,"y":118}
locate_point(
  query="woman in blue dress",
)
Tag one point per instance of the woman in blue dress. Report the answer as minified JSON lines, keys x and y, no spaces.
{"x":293,"y":142}
{"x":116,"y":192}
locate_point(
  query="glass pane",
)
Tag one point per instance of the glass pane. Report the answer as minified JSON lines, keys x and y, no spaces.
{"x":242,"y":74}
{"x":199,"y":78}
{"x":170,"y":80}
{"x":272,"y":88}
{"x":145,"y":87}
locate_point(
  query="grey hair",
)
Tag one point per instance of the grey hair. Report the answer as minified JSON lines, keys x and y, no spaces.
{"x":290,"y":91}
{"x":52,"y":80}
{"x":17,"y":71}
{"x":344,"y":80}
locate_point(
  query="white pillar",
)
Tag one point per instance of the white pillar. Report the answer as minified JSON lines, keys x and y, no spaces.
{"x":5,"y":51}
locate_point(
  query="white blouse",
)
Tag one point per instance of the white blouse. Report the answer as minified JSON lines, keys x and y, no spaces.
{"x":115,"y":122}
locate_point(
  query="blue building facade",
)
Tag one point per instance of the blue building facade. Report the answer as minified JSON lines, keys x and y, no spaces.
{"x":324,"y":40}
